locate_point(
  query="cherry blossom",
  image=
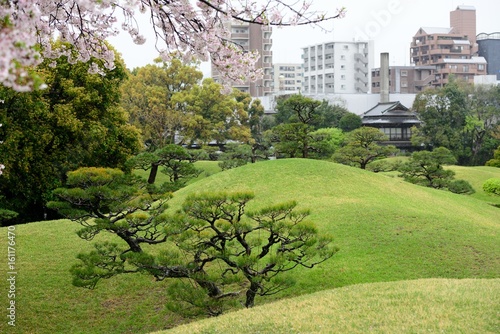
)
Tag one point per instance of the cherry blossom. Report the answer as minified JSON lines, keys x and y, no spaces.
{"x":196,"y":29}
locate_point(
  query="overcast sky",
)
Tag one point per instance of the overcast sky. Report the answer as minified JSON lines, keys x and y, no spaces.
{"x":391,"y":24}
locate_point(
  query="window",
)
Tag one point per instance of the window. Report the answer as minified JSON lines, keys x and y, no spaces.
{"x":342,"y":77}
{"x":404,"y":73}
{"x":342,"y":57}
{"x":480,"y":67}
{"x":342,"y":67}
{"x":346,"y":47}
{"x":466,"y":68}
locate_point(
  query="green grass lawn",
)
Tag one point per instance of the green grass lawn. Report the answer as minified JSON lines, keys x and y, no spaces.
{"x":419,"y":306}
{"x":387,"y":230}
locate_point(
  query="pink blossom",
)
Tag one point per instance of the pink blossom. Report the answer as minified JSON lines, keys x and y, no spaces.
{"x":27,"y":28}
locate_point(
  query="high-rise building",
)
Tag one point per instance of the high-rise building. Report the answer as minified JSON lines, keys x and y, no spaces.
{"x":463,"y":22}
{"x":253,"y":37}
{"x":452,"y":50}
{"x":489,"y":48}
{"x":337,"y":67}
{"x":287,"y":78}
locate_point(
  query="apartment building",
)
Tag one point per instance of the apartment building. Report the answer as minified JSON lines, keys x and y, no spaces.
{"x":404,"y":79}
{"x":254,"y":37}
{"x":489,"y":48}
{"x":451,"y":50}
{"x":337,"y":67}
{"x":287,"y":78}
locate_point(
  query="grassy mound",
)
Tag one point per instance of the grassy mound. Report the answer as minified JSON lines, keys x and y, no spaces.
{"x":387,"y":230}
{"x":420,"y":306}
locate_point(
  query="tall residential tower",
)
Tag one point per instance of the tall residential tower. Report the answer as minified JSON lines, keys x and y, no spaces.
{"x":337,"y":67}
{"x":254,"y":37}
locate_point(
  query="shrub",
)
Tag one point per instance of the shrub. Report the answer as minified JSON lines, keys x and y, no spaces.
{"x":492,"y":186}
{"x":384,"y":165}
{"x":460,"y":187}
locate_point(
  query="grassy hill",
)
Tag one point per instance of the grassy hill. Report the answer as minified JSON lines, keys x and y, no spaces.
{"x":387,"y":230}
{"x":420,"y":306}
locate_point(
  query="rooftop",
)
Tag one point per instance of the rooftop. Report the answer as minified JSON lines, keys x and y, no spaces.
{"x":465,"y":7}
{"x":436,"y":30}
{"x":473,"y":60}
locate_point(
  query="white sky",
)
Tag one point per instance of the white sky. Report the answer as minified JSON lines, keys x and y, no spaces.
{"x":391,"y":24}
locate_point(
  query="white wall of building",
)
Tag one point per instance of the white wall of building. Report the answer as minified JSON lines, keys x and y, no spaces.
{"x":355,"y":103}
{"x":338,"y":67}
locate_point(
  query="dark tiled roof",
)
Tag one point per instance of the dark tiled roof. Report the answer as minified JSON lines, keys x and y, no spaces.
{"x":390,"y":113}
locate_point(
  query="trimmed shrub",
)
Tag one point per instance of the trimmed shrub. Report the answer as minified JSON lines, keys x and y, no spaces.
{"x":492,"y":186}
{"x":460,"y":187}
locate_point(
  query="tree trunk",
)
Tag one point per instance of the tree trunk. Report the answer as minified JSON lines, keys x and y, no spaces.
{"x":251,"y":293}
{"x":152,"y":173}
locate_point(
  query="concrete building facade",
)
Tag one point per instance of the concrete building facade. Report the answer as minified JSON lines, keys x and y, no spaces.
{"x":489,"y":48}
{"x":337,"y":67}
{"x":404,"y":79}
{"x":452,"y":50}
{"x":254,"y":37}
{"x":463,"y":22}
{"x":287,"y":78}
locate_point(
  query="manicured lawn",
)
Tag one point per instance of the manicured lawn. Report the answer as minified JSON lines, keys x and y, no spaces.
{"x":387,"y":230}
{"x":419,"y":306}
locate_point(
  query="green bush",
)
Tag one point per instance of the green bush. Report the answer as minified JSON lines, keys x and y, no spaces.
{"x":492,"y":186}
{"x":460,"y":187}
{"x":384,"y":165}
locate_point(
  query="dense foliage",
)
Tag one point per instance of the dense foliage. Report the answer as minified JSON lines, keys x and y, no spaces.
{"x":427,"y":169}
{"x":463,"y":118}
{"x":148,"y":98}
{"x":76,"y":121}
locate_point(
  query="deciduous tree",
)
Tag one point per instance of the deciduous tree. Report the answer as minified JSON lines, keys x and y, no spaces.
{"x":147,"y":97}
{"x":76,"y":121}
{"x":196,"y":29}
{"x":210,"y":115}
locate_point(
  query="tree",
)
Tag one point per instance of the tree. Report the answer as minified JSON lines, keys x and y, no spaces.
{"x":362,"y":147}
{"x":147,"y":96}
{"x":177,"y":163}
{"x":235,"y":155}
{"x":495,"y":162}
{"x":212,"y":241}
{"x":297,"y":109}
{"x":76,"y":121}
{"x":197,"y":30}
{"x":443,"y":113}
{"x":482,"y":122}
{"x":292,"y":139}
{"x":330,"y":115}
{"x":463,"y":118}
{"x":350,"y":122}
{"x":210,"y":115}
{"x":325,"y":142}
{"x":426,"y":168}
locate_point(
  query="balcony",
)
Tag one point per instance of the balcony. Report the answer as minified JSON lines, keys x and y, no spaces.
{"x":361,"y":58}
{"x":361,"y":87}
{"x":361,"y":77}
{"x":361,"y":68}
